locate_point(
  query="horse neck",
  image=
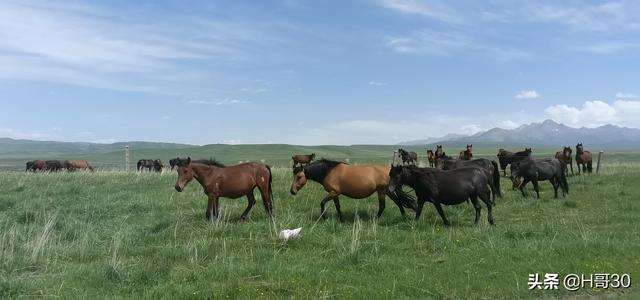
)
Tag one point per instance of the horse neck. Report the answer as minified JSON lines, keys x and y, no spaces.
{"x":201,"y":172}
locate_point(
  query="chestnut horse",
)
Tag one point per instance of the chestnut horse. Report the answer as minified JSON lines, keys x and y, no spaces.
{"x":466,"y":154}
{"x":583,"y":158}
{"x":565,"y":157}
{"x":72,"y":165}
{"x":233,"y":182}
{"x":303,"y":158}
{"x":356,"y":182}
{"x":431,"y":157}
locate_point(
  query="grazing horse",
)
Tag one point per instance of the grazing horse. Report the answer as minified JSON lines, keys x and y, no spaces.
{"x":37,"y":165}
{"x":73,"y":165}
{"x":489,"y":166}
{"x":356,"y":182}
{"x":431,"y":157}
{"x":233,"y":182}
{"x":583,"y":158}
{"x":409,"y":157}
{"x":506,"y":157}
{"x":53,"y":165}
{"x":466,"y":154}
{"x":536,"y":170}
{"x":444,"y":187}
{"x":29,"y":165}
{"x":303,"y":159}
{"x":565,"y":157}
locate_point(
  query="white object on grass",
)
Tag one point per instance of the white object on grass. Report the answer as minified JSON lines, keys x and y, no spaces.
{"x":290,"y":233}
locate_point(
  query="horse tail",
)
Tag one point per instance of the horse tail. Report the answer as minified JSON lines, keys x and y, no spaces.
{"x":270,"y":187}
{"x":563,"y":177}
{"x":405,"y":199}
{"x":496,"y":178}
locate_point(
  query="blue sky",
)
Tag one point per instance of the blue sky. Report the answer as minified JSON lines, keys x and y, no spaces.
{"x":312,"y":72}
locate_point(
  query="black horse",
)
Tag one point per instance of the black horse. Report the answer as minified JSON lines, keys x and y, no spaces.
{"x":506,"y":158}
{"x":444,"y":187}
{"x":53,"y":165}
{"x":150,"y":164}
{"x":489,"y":166}
{"x":539,"y":170}
{"x":173,"y":163}
{"x":29,"y":166}
{"x":409,"y":157}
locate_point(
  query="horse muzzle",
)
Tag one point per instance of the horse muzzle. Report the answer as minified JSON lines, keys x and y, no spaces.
{"x":292,"y":192}
{"x":178,"y":188}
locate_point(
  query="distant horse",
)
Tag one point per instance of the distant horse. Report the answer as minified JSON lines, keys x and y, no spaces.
{"x":158,"y":165}
{"x":233,"y":182}
{"x":444,"y":187}
{"x":29,"y":165}
{"x":439,"y":152}
{"x":583,"y":158}
{"x":536,"y":170}
{"x":565,"y":157}
{"x":506,"y":157}
{"x":303,"y":158}
{"x":431,"y":157}
{"x":490,"y":167}
{"x":173,"y":163}
{"x":356,"y":182}
{"x":409,"y":157}
{"x":73,"y":165}
{"x":466,"y":154}
{"x":38,"y":165}
{"x":53,"y":165}
{"x":150,"y":164}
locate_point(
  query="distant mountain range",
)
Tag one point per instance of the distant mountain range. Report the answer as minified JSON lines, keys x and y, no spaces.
{"x":545,"y":134}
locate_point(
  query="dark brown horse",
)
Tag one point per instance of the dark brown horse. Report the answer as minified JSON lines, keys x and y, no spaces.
{"x":356,"y":182}
{"x":303,"y":159}
{"x":408,"y":157}
{"x":150,"y":164}
{"x":37,"y":165}
{"x":53,"y":165}
{"x":431,"y":157}
{"x":466,"y":154}
{"x":73,"y":165}
{"x":439,"y":152}
{"x":565,"y":157}
{"x":583,"y":158}
{"x":233,"y":182}
{"x":505,"y":157}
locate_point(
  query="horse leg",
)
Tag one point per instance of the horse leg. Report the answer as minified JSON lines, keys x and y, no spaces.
{"x":571,"y":166}
{"x":266,"y":199}
{"x":212,"y":207}
{"x":251,"y":200}
{"x":522,"y":186}
{"x":476,"y":205}
{"x":322,"y":204}
{"x":485,"y":198}
{"x":555,"y":182}
{"x":395,"y":200}
{"x":419,"y":208}
{"x":535,"y":187}
{"x":381,"y":204}
{"x":441,"y":212}
{"x":336,"y":202}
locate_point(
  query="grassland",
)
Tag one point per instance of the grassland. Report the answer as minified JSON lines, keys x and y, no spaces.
{"x":113,"y":234}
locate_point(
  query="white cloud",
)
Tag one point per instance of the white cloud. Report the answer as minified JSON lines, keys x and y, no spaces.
{"x":527,"y":94}
{"x":597,"y":113}
{"x":601,"y":17}
{"x":377,"y":83}
{"x":507,"y":124}
{"x":432,"y":42}
{"x":621,"y":95}
{"x":433,"y":9}
{"x":225,"y":101}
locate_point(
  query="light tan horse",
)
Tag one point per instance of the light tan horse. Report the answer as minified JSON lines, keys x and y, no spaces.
{"x":233,"y":182}
{"x":73,"y":165}
{"x":357,"y":182}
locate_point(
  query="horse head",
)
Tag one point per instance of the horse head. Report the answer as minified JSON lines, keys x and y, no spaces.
{"x":299,"y":179}
{"x":185,"y":173}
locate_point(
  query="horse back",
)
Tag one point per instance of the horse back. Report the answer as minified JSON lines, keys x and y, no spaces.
{"x":357,"y":181}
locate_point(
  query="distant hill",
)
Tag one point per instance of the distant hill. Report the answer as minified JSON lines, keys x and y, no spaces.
{"x":551,"y":134}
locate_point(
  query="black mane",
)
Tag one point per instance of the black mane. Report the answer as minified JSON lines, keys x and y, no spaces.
{"x":210,"y":162}
{"x":318,"y":170}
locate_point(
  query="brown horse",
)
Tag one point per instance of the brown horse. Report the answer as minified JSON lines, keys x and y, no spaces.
{"x":439,"y":152}
{"x":356,"y":182}
{"x":73,"y":165}
{"x":233,"y":182}
{"x":303,"y":158}
{"x":37,"y":165}
{"x":431,"y":157}
{"x":583,"y":158}
{"x":466,"y":154}
{"x":565,"y":157}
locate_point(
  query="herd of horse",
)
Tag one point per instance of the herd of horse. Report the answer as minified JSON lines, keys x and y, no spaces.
{"x":447,"y":180}
{"x":57,"y":165}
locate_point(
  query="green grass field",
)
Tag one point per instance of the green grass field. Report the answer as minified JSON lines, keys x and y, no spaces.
{"x":112,"y":235}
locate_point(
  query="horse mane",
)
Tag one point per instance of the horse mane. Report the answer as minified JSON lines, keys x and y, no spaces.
{"x":319,"y":169}
{"x":210,"y":162}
